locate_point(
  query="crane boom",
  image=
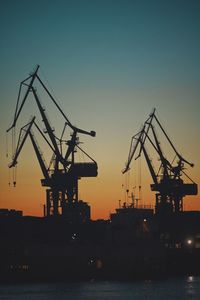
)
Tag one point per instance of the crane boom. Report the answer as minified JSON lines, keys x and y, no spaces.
{"x":151,"y":169}
{"x":170,"y":142}
{"x":48,"y":127}
{"x":146,"y":128}
{"x":137,"y":139}
{"x":35,"y":146}
{"x":20,"y":145}
{"x":17,"y":112}
{"x":39,"y":156}
{"x":78,"y":130}
{"x":164,"y":161}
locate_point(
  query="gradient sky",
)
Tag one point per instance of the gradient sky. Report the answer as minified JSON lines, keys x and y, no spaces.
{"x":109,"y":63}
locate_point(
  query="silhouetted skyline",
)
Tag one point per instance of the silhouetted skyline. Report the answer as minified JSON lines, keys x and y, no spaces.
{"x":108,"y":63}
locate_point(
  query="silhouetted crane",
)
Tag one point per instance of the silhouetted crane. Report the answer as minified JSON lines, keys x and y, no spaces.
{"x":167,"y":181}
{"x":62,"y":175}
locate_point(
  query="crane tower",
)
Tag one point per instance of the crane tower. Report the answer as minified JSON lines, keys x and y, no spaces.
{"x":63,"y":172}
{"x":167,"y":179}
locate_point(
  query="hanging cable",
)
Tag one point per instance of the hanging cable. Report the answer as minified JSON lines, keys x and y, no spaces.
{"x":127,"y":180}
{"x":123,"y":183}
{"x":9,"y":176}
{"x":139,"y":180}
{"x":14,"y":175}
{"x":6,"y":144}
{"x":7,"y":157}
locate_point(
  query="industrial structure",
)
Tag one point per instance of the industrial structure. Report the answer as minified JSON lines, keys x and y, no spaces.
{"x":63,"y":172}
{"x":134,"y":243}
{"x":167,"y":179}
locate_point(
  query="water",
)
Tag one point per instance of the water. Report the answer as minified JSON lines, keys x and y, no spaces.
{"x":181,"y":288}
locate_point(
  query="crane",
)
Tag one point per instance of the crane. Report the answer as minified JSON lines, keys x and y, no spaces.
{"x":62,"y":175}
{"x":167,"y":182}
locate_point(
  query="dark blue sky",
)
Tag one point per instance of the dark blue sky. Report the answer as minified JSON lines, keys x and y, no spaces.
{"x":142,"y":40}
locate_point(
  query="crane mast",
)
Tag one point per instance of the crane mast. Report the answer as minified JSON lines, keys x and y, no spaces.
{"x":61,"y":177}
{"x":167,"y":182}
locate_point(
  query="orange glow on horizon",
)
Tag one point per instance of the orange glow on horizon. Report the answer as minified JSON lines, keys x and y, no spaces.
{"x":102,"y":194}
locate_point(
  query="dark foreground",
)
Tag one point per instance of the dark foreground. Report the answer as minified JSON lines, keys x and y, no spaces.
{"x":39,"y":250}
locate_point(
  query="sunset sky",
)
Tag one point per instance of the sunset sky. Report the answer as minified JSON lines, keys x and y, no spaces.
{"x":109,"y":63}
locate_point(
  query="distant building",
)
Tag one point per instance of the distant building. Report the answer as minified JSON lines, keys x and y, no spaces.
{"x":76,"y":212}
{"x":130,"y":216}
{"x":129,"y":224}
{"x":4,"y":212}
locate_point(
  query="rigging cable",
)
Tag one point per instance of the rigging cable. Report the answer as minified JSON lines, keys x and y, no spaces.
{"x":127,"y":181}
{"x":47,"y":83}
{"x":134,"y":187}
{"x":139,"y":180}
{"x":14,"y":174}
{"x":6,"y":144}
{"x":7,"y":155}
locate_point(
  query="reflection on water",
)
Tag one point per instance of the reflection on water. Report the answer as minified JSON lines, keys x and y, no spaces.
{"x":181,"y":288}
{"x":191,"y":286}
